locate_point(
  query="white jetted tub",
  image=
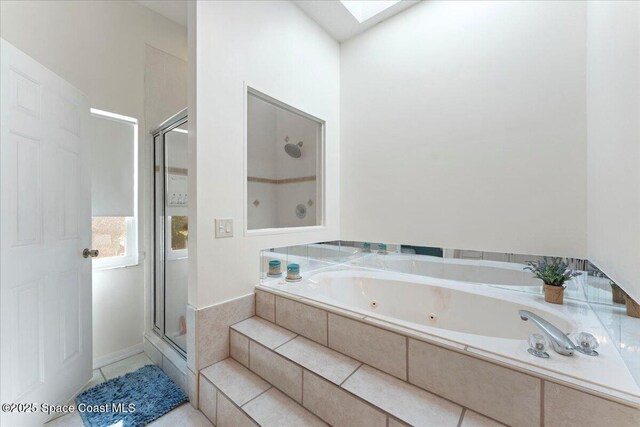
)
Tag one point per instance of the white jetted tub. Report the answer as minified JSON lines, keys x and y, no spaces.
{"x":482,"y":318}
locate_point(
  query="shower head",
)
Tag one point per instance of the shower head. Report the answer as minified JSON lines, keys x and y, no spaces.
{"x":294,"y":150}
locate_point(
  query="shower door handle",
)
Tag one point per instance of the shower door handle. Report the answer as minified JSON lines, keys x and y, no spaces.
{"x":90,"y":253}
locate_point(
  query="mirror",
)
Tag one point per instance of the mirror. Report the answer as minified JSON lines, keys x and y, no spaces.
{"x":284,"y":165}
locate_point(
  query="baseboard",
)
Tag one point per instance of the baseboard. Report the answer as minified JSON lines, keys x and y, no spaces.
{"x":116,"y":356}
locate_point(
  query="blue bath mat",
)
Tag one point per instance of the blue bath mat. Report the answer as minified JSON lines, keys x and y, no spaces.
{"x":132,"y":400}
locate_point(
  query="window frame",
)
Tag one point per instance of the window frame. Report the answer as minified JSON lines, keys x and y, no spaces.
{"x":321,"y":203}
{"x":131,"y":256}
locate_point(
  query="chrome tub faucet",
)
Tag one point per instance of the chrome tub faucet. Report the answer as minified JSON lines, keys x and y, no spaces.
{"x":559,"y":341}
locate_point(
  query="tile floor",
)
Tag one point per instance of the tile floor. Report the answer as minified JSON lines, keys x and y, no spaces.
{"x":183,"y":416}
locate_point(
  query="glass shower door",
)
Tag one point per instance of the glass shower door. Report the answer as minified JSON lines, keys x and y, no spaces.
{"x":171,"y":232}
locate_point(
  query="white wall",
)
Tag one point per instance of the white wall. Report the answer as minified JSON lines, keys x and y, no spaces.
{"x":275,"y":48}
{"x":99,"y":47}
{"x":463,"y":126}
{"x":613,"y":112}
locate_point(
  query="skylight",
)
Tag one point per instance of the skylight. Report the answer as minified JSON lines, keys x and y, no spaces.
{"x":363,"y":10}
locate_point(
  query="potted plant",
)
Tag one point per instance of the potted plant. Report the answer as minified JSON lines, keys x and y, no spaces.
{"x":617,"y":294}
{"x":553,"y":272}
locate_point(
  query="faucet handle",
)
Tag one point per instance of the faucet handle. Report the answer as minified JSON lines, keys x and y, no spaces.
{"x":538,"y":344}
{"x":587,"y":344}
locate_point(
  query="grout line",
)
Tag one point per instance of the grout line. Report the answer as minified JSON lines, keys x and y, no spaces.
{"x":327,"y":317}
{"x":462,"y":414}
{"x":302,"y":388}
{"x":235,"y":404}
{"x":216,"y":389}
{"x":541,"y":402}
{"x":260,"y":394}
{"x":283,"y":343}
{"x":354,"y":371}
{"x":248,"y":353}
{"x":407,"y":358}
{"x":274,"y":308}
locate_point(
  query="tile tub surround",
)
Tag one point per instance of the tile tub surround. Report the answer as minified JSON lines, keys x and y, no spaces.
{"x":473,"y":419}
{"x":377,"y":347}
{"x":476,"y":384}
{"x":496,"y":328}
{"x":274,"y":409}
{"x":565,"y":407}
{"x":239,"y":348}
{"x":325,"y":375}
{"x":229,"y":377}
{"x":397,"y":397}
{"x":333,"y":366}
{"x":266,"y":306}
{"x":338,"y":407}
{"x":307,"y":321}
{"x":497,"y":374}
{"x":212,"y":335}
{"x":235,"y":397}
{"x":277,"y":370}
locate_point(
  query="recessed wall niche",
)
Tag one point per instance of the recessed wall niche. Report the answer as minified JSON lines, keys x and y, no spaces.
{"x":284,"y":165}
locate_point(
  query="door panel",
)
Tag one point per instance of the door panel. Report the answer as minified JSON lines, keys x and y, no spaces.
{"x":26,"y":373}
{"x":29,"y":195}
{"x":45,"y":223}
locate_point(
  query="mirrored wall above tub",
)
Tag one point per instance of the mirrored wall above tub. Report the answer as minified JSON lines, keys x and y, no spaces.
{"x":284,"y":165}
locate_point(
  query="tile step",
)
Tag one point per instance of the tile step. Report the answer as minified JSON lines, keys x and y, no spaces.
{"x":336,"y":388}
{"x":233,"y":396}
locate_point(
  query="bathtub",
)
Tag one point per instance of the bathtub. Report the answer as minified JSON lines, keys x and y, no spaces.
{"x":426,"y":304}
{"x":480,"y":319}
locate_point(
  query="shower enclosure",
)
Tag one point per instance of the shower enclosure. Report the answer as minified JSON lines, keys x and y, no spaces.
{"x":171,"y":225}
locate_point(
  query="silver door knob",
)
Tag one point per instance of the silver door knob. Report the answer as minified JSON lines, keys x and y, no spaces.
{"x":90,"y":253}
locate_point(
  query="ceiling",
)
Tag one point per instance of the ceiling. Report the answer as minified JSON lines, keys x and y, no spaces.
{"x":336,"y":19}
{"x":175,"y":10}
{"x":332,"y":15}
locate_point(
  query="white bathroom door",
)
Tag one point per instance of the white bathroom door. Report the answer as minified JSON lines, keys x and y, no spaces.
{"x":45,"y":223}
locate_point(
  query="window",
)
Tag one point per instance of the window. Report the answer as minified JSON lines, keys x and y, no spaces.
{"x":285,"y":172}
{"x":115,"y":238}
{"x":109,"y":236}
{"x":114,"y":145}
{"x":365,"y":10}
